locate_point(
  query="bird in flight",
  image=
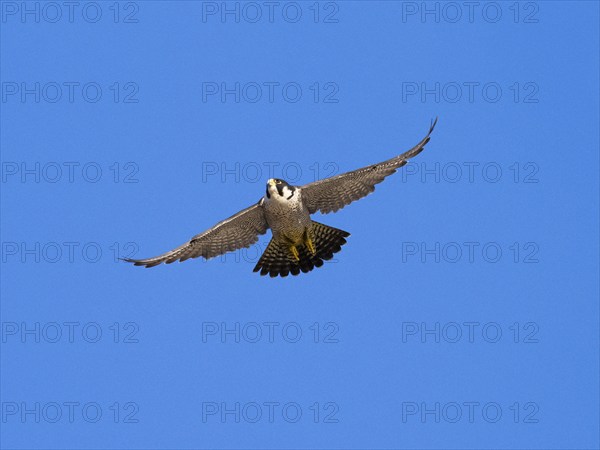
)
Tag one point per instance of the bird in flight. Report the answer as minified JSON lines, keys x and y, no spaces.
{"x":299,"y":244}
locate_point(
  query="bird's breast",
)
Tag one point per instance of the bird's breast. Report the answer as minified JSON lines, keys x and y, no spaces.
{"x":287,"y":218}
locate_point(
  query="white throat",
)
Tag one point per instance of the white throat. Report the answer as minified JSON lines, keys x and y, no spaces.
{"x":290,"y":197}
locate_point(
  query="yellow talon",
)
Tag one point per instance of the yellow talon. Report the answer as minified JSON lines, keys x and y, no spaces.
{"x":295,"y":252}
{"x":311,"y":246}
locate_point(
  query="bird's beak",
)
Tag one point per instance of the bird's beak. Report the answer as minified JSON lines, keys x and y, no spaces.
{"x":271,"y":182}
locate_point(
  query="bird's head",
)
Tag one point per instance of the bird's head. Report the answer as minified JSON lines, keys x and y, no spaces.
{"x":279,"y":189}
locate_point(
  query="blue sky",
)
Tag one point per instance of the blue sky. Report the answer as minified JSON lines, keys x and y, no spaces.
{"x":462,"y":313}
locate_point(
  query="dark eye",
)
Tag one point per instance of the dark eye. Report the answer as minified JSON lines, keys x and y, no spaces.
{"x":278,"y":182}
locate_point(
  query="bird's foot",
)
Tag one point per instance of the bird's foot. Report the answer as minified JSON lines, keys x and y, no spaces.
{"x":311,"y":246}
{"x":294,"y":251}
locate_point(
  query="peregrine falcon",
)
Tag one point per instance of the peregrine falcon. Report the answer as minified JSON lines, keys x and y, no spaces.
{"x":299,"y":244}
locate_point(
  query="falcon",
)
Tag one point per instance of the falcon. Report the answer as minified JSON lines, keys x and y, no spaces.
{"x":299,"y":244}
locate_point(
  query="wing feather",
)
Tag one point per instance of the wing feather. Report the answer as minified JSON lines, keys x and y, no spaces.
{"x":332,"y":194}
{"x":239,"y":231}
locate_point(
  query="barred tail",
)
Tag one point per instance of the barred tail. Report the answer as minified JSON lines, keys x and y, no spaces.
{"x":278,"y":259}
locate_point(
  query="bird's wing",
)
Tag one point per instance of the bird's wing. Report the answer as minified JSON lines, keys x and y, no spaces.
{"x":332,"y":194}
{"x":239,"y":231}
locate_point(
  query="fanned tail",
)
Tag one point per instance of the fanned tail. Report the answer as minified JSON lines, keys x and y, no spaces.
{"x":278,"y":259}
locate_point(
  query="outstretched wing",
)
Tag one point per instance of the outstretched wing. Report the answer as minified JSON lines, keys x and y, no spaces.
{"x":332,"y":194}
{"x":239,"y":231}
